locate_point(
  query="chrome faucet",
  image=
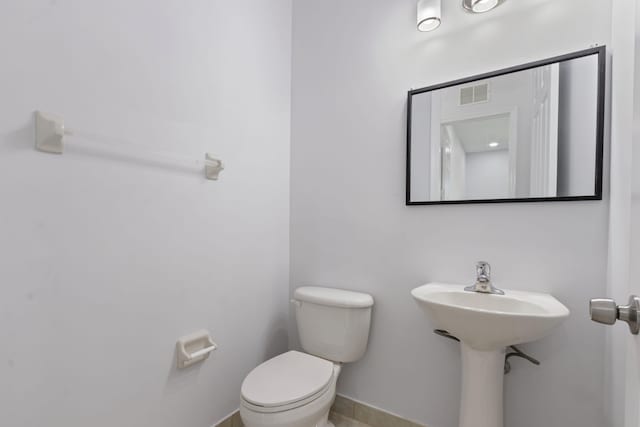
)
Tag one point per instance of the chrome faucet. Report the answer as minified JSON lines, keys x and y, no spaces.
{"x":483,"y":280}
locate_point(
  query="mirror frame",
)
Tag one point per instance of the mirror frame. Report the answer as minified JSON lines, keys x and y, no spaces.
{"x":600,"y":51}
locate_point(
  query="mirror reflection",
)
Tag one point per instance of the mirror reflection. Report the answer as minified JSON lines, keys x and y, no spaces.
{"x":532,"y":133}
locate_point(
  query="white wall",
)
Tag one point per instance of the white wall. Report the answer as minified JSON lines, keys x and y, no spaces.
{"x":453,"y":164}
{"x":351,"y":229}
{"x":625,"y":94}
{"x":106,"y":260}
{"x":487,"y":174}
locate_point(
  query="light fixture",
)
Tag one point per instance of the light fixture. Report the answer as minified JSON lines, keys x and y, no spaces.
{"x":494,"y":144}
{"x":481,"y":6}
{"x":429,"y":13}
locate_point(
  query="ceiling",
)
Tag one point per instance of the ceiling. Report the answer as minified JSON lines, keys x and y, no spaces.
{"x":476,"y":134}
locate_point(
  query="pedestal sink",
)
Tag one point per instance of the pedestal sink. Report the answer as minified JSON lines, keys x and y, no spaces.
{"x":486,"y":324}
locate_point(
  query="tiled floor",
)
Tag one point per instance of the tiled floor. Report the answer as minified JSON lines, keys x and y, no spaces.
{"x":347,"y":413}
{"x":342,"y":421}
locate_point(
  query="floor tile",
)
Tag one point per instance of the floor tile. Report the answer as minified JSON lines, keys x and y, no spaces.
{"x":342,"y":421}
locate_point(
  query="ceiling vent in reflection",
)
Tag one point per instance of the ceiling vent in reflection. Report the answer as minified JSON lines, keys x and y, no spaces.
{"x":474,"y":94}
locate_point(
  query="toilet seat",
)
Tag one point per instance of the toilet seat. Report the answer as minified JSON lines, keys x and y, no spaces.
{"x":287,"y":381}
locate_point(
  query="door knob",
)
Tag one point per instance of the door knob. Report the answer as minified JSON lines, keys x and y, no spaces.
{"x":606,"y":311}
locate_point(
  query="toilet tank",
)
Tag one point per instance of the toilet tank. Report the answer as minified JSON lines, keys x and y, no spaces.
{"x":333,"y":323}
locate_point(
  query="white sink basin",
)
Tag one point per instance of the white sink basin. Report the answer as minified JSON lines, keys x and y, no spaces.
{"x":486,"y":324}
{"x":487,"y":321}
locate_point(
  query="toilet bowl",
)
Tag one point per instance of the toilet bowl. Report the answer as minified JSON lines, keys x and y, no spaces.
{"x":297,"y":389}
{"x":291,"y":390}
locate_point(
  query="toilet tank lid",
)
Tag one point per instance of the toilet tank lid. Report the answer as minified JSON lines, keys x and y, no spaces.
{"x":333,"y":297}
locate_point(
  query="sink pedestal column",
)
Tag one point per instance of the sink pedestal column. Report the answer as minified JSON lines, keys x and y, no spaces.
{"x":482,"y":379}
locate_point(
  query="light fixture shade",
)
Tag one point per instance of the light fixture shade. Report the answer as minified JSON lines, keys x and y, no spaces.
{"x":429,"y":14}
{"x":480,"y":6}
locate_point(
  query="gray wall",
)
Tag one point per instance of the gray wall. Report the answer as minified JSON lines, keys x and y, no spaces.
{"x":421,"y":147}
{"x":577,"y":123}
{"x":350,"y":227}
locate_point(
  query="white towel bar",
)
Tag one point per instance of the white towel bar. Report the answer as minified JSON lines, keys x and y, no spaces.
{"x":51,"y":133}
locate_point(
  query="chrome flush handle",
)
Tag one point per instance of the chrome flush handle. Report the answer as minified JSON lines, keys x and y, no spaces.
{"x":607,"y":312}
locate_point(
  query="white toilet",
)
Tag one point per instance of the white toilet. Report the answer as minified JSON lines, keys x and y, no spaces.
{"x":297,"y":389}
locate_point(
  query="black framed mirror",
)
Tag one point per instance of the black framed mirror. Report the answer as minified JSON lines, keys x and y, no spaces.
{"x":533,"y":132}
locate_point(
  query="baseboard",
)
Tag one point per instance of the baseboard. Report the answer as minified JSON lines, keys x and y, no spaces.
{"x":232,"y":420}
{"x":345,"y":407}
{"x":369,"y":415}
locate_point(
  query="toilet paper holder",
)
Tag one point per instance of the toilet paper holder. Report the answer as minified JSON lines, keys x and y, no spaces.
{"x":194,"y":348}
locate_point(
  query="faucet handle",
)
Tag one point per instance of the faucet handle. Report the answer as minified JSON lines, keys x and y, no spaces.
{"x":483,"y":271}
